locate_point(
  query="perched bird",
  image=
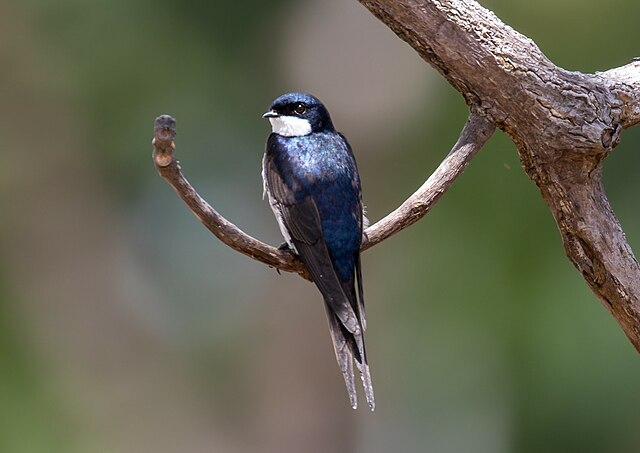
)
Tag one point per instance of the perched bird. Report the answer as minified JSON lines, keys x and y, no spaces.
{"x":312,"y":182}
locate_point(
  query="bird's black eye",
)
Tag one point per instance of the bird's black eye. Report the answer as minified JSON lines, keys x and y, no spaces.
{"x":300,"y":108}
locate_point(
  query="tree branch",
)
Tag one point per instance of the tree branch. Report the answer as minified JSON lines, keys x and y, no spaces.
{"x":563,"y":123}
{"x":625,"y":82}
{"x":164,"y":132}
{"x":474,"y":135}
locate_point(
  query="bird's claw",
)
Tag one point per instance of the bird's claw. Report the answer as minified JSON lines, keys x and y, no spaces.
{"x":284,"y":247}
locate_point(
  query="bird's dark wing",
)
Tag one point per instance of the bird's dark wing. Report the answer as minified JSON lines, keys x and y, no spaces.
{"x":361,"y":311}
{"x":302,"y":220}
{"x":360,"y":208}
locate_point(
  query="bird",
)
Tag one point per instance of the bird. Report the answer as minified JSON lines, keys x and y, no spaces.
{"x":312,"y":183}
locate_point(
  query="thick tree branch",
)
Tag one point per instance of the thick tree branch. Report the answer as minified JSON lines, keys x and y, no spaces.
{"x":475,"y":133}
{"x":563,"y":123}
{"x":625,"y":82}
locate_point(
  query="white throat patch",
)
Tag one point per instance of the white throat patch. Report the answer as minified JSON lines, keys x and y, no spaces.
{"x":290,"y":126}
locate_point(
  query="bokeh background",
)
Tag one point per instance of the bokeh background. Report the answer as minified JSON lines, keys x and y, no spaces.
{"x":126,"y":327}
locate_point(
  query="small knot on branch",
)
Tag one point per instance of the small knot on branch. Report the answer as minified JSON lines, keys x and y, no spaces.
{"x":164,"y":131}
{"x":611,"y":137}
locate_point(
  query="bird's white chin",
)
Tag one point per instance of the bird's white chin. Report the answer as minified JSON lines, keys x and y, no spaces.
{"x":290,"y":126}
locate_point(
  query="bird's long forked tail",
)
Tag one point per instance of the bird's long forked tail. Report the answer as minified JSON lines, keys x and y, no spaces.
{"x":349,"y":347}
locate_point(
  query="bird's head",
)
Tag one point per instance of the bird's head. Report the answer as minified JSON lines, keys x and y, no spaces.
{"x":298,"y":114}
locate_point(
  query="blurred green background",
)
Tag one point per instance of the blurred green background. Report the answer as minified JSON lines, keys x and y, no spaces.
{"x":126,"y":327}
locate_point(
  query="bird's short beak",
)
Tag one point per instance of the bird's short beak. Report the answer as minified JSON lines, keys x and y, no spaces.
{"x":271,"y":114}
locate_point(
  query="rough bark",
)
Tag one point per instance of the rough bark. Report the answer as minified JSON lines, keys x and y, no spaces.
{"x":563,"y":123}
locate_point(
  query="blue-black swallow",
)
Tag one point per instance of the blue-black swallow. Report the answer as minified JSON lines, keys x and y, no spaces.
{"x":312,"y":182}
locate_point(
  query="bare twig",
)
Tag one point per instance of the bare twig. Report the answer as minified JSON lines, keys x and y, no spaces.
{"x":163,"y":146}
{"x":475,"y":133}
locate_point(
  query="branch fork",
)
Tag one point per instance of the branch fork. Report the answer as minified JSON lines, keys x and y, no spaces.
{"x":474,"y":135}
{"x":564,"y":124}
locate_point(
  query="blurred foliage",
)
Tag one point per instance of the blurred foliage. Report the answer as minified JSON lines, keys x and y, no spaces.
{"x":483,"y":336}
{"x":30,"y":419}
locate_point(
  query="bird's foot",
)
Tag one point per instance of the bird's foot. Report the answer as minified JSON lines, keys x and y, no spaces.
{"x":284,"y":247}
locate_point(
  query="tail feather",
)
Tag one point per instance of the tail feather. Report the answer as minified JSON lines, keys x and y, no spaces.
{"x":363,"y":367}
{"x":343,"y":355}
{"x":349,"y":347}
